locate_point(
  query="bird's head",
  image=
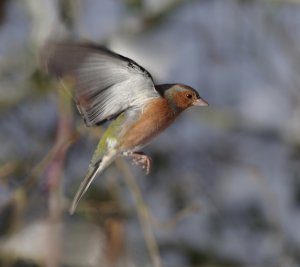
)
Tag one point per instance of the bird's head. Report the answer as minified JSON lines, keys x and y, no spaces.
{"x":181,"y":96}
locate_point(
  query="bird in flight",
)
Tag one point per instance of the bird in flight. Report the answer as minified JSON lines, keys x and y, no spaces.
{"x":110,"y":87}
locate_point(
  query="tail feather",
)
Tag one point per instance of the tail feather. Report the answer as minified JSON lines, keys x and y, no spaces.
{"x":84,"y":186}
{"x":88,"y":179}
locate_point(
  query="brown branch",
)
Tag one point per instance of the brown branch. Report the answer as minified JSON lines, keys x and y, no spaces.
{"x":64,"y":138}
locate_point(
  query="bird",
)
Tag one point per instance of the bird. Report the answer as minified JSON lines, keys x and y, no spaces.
{"x":107,"y":86}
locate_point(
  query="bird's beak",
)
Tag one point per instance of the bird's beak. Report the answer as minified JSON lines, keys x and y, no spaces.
{"x":200,"y":103}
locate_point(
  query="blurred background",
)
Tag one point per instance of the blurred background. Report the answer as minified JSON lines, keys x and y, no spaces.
{"x":224,"y":189}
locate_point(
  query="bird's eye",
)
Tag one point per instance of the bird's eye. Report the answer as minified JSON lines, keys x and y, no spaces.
{"x":189,"y":96}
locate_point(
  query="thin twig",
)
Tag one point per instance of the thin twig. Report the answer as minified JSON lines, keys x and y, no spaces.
{"x":8,"y":168}
{"x":142,"y":212}
{"x":179,"y":216}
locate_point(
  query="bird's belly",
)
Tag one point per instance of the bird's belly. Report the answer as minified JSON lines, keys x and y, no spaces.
{"x":156,"y":117}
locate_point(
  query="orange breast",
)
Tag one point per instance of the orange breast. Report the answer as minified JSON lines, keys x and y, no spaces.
{"x":156,"y":117}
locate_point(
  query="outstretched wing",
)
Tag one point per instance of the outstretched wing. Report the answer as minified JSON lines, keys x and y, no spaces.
{"x":106,"y":83}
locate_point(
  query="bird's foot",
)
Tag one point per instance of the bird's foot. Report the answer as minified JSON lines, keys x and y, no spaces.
{"x":140,"y":158}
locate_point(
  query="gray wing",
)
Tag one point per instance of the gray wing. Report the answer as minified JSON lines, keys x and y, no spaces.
{"x":106,"y":83}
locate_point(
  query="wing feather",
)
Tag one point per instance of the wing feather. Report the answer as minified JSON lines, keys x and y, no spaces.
{"x":106,"y":83}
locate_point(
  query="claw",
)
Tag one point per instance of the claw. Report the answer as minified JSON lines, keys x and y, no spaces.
{"x":140,"y":158}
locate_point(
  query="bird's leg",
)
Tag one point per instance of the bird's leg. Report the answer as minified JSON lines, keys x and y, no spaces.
{"x":140,"y":158}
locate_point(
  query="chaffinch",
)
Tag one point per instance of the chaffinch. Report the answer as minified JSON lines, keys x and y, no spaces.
{"x":111,"y":87}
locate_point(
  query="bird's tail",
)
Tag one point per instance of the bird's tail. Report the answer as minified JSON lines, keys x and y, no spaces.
{"x":94,"y":169}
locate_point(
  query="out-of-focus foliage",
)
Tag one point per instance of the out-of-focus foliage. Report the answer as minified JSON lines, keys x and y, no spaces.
{"x":224,"y":189}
